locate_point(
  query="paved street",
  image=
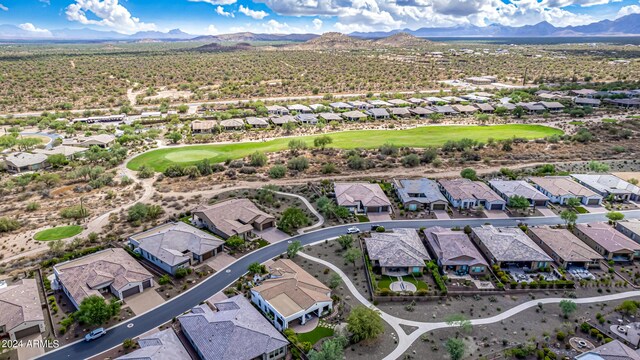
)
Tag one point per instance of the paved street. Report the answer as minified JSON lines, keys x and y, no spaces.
{"x":222,"y":279}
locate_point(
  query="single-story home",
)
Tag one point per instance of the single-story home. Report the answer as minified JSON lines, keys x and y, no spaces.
{"x":277,"y":110}
{"x":378,"y":113}
{"x":299,"y":108}
{"x":606,"y":184}
{"x":398,"y":102}
{"x":444,"y":109}
{"x":507,"y":105}
{"x":455,"y":252}
{"x":465,"y":109}
{"x":291,"y":294}
{"x":328,"y":116}
{"x":608,"y":242}
{"x":237,"y":217}
{"x":612,"y":350}
{"x":485,"y":108}
{"x":509,"y":188}
{"x":20,"y":162}
{"x":340,"y":106}
{"x":400,"y":112}
{"x":420,"y":194}
{"x":434,"y":100}
{"x":552,"y":106}
{"x":176,"y":245}
{"x":481,"y":80}
{"x":630,"y":228}
{"x":279,"y":121}
{"x":21,"y":310}
{"x":353,"y":115}
{"x":362,"y":197}
{"x":203,"y":126}
{"x":306,"y":118}
{"x":162,"y":345}
{"x":564,"y":248}
{"x":361,"y":105}
{"x":583,"y":92}
{"x":582,"y":101}
{"x":108,"y":271}
{"x":101,"y":140}
{"x":531,"y":107}
{"x":102,"y":119}
{"x":467,"y":194}
{"x":624,"y":103}
{"x":257,"y":122}
{"x":232,"y":124}
{"x":561,"y":188}
{"x":69,"y":152}
{"x":416,"y":101}
{"x":232,"y":329}
{"x":381,"y":103}
{"x":420,"y":111}
{"x":397,"y":253}
{"x":509,"y":247}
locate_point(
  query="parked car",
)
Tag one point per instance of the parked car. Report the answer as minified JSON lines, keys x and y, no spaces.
{"x":353,"y":230}
{"x":374,"y":227}
{"x":95,"y":334}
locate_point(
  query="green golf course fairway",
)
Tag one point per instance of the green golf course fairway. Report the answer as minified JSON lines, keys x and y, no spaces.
{"x":419,"y":137}
{"x":57,"y":233}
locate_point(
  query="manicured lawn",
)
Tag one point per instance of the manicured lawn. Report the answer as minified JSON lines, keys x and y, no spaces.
{"x":315,"y":335}
{"x":362,"y":218}
{"x":57,"y":233}
{"x":581,"y":210}
{"x":420,"y":137}
{"x":386,"y":281}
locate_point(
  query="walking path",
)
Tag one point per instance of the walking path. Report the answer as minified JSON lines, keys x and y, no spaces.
{"x":320,"y":221}
{"x":405,"y":340}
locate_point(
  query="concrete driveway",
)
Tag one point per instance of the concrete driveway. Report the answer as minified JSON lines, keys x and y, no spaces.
{"x":25,"y":353}
{"x":441,"y":214}
{"x":144,"y":301}
{"x":545,"y":211}
{"x":496,"y":214}
{"x":219,"y":261}
{"x":375,"y":217}
{"x":272,"y":235}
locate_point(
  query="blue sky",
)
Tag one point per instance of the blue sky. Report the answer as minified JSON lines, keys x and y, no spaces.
{"x":289,"y":16}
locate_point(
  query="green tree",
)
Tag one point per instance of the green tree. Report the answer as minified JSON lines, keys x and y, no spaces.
{"x":352,"y":255}
{"x":567,"y":307}
{"x":569,"y":217}
{"x":364,"y":324}
{"x":57,"y":160}
{"x":628,"y":307}
{"x":597,"y":166}
{"x":332,"y":349}
{"x":174,"y":136}
{"x":469,"y":173}
{"x":456,"y":348}
{"x":235,"y":242}
{"x":518,"y":111}
{"x":182,"y":109}
{"x":292,"y":219}
{"x":256,"y":268}
{"x":293,"y":249}
{"x":615,"y":216}
{"x":518,"y":202}
{"x":322,"y":141}
{"x":334,"y":280}
{"x":94,"y":310}
{"x":573,"y":202}
{"x":345,"y":241}
{"x":258,"y":159}
{"x":460,"y":321}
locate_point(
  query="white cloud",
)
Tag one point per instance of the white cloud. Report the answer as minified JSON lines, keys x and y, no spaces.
{"x":220,"y":11}
{"x":48,"y":2}
{"x":317,"y":24}
{"x":31,"y":28}
{"x":276,"y":27}
{"x":628,"y":10}
{"x":111,"y":15}
{"x":256,"y":14}
{"x":212,"y":30}
{"x":216,"y":2}
{"x":3,"y":8}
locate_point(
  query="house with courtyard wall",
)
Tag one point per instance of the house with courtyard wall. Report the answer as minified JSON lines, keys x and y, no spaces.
{"x":21,"y":310}
{"x":234,"y":217}
{"x":565,"y":248}
{"x":608,"y":242}
{"x":510,"y":188}
{"x":420,"y":194}
{"x":362,"y":197}
{"x":397,"y":253}
{"x":509,"y":247}
{"x":609,"y":185}
{"x":560,"y":189}
{"x":291,"y":294}
{"x":630,"y":228}
{"x":455,"y":252}
{"x":467,"y":194}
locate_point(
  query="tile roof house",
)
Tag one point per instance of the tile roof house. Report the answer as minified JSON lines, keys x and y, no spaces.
{"x":175,"y":245}
{"x":509,"y":247}
{"x":485,"y":108}
{"x":532,"y":107}
{"x":608,"y":242}
{"x":379,"y":103}
{"x":233,"y":217}
{"x":606,"y":184}
{"x":277,"y":110}
{"x":203,"y":126}
{"x":20,"y":162}
{"x":398,"y":102}
{"x":378,"y":113}
{"x":163,"y":345}
{"x":340,"y":106}
{"x":552,"y":106}
{"x":307,"y":118}
{"x":467,"y":194}
{"x":420,"y":194}
{"x":614,"y":350}
{"x":111,"y":269}
{"x":420,"y":111}
{"x":233,"y":330}
{"x":21,"y":310}
{"x":257,"y":122}
{"x":397,"y":253}
{"x":587,"y":102}
{"x":465,"y":109}
{"x":561,"y":188}
{"x":564,"y":248}
{"x":353,"y":115}
{"x":362,"y":197}
{"x":291,"y":294}
{"x":232,"y":124}
{"x":509,"y":188}
{"x":68,"y":151}
{"x":299,"y":108}
{"x":400,"y":112}
{"x":283,"y":120}
{"x":455,"y":251}
{"x":101,"y":140}
{"x":328,"y":116}
{"x":360,"y":105}
{"x":630,"y":228}
{"x":444,"y":109}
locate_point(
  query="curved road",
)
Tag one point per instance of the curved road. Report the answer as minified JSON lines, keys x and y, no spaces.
{"x":219,"y":281}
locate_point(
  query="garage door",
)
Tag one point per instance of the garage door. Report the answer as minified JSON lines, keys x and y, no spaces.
{"x":129,"y":292}
{"x":207,"y":255}
{"x":28,"y":331}
{"x":496,"y":207}
{"x":146,"y":284}
{"x":593,"y":202}
{"x":439,"y":207}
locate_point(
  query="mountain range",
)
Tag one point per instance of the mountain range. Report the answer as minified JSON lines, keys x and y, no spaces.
{"x":624,"y":26}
